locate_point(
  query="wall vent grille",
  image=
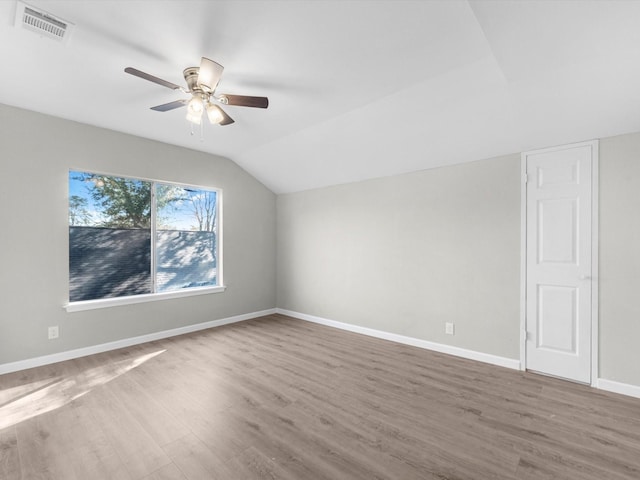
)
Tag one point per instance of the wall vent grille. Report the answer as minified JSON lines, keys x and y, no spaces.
{"x":42,"y":22}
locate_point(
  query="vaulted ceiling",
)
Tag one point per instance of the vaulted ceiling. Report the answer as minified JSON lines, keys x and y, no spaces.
{"x":357,"y":89}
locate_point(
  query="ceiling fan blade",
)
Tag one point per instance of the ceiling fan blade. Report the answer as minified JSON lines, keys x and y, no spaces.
{"x":209,"y":74}
{"x":170,"y":106}
{"x":151,"y":78}
{"x":244,"y":101}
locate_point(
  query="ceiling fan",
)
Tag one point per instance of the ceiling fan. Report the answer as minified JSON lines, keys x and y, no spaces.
{"x":201,"y":84}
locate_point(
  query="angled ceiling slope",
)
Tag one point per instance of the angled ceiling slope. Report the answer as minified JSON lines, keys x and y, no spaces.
{"x":357,"y":89}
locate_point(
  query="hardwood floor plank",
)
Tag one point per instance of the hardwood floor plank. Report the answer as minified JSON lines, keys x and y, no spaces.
{"x":137,"y":450}
{"x":168,"y":472}
{"x":296,"y":450}
{"x":252,"y":463}
{"x":195,"y":460}
{"x":156,"y":421}
{"x":278,"y":398}
{"x":41,"y":457}
{"x":9,"y":458}
{"x":82,"y":445}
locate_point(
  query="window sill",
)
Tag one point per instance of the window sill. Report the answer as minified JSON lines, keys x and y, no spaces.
{"x":152,"y":297}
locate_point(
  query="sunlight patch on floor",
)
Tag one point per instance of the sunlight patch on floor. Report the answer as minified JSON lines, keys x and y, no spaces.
{"x":21,"y":403}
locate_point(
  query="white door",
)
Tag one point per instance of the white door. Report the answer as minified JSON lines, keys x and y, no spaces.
{"x":559,"y":275}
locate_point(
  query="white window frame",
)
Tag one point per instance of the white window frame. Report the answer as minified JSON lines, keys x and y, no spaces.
{"x":83,"y":305}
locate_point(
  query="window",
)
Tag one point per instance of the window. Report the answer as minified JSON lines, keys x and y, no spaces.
{"x":131,"y":237}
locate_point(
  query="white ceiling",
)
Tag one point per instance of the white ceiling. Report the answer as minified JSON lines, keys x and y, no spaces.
{"x":357,"y":89}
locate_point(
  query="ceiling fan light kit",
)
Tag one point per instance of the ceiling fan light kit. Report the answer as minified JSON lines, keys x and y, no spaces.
{"x":214,"y":113}
{"x":194,"y":110}
{"x":201,"y":84}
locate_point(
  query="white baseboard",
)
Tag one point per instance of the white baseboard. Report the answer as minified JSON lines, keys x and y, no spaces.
{"x":127,"y":342}
{"x":617,"y":387}
{"x":416,"y":342}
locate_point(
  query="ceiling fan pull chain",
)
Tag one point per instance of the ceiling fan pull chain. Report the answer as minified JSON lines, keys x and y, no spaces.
{"x":202,"y":131}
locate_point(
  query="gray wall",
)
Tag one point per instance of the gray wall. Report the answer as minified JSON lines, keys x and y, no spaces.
{"x":619,"y":297}
{"x":36,"y":153}
{"x":406,"y":254}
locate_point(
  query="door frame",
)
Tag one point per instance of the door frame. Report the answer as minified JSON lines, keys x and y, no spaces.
{"x":594,"y":144}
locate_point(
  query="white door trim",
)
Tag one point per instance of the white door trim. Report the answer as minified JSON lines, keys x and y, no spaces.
{"x":594,"y":144}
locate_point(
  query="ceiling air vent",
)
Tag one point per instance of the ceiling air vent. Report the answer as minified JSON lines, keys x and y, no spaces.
{"x":42,"y":22}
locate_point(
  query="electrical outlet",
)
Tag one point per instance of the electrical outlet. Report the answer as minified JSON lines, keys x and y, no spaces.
{"x":449,"y":328}
{"x":54,"y":332}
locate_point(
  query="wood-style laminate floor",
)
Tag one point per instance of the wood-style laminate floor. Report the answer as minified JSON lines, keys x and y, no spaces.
{"x":278,"y":398}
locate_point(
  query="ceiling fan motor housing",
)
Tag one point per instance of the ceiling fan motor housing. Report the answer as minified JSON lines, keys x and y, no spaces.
{"x":191,"y":77}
